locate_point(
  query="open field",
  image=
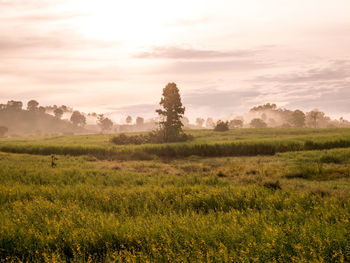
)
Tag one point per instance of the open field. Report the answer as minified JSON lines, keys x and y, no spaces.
{"x":247,"y":142}
{"x":281,"y":207}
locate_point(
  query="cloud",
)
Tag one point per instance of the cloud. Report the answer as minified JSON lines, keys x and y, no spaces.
{"x":26,"y":3}
{"x":335,"y":71}
{"x":326,"y":87}
{"x":201,"y":102}
{"x":217,"y":99}
{"x":207,"y":66}
{"x":173,"y":52}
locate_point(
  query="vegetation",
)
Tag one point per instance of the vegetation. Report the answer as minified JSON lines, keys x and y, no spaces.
{"x":236,"y":123}
{"x":258,"y":123}
{"x":58,"y":113}
{"x":33,"y":121}
{"x":78,"y":119}
{"x":281,"y":208}
{"x":238,"y":142}
{"x":221,"y":126}
{"x":171,"y":115}
{"x":38,"y":120}
{"x":104,"y":123}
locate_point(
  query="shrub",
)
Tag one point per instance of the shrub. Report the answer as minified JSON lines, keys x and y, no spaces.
{"x":123,"y":139}
{"x":221,"y":126}
{"x":152,"y":137}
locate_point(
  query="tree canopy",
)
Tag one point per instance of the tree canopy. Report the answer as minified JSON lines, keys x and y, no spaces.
{"x":78,"y":119}
{"x":104,"y":123}
{"x":171,"y":114}
{"x":222,"y":126}
{"x":32,"y":105}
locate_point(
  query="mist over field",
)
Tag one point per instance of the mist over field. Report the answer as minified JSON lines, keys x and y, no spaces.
{"x":174,"y":131}
{"x":226,"y":57}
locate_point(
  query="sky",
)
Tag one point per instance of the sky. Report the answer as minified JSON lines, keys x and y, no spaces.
{"x":225,"y":56}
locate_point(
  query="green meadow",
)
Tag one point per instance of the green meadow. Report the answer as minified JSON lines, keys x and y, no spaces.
{"x":239,"y":142}
{"x":246,"y":195}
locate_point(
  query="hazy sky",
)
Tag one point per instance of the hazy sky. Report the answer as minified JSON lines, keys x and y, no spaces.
{"x":225,"y":55}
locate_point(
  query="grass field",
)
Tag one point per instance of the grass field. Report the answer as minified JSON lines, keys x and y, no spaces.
{"x":285,"y":206}
{"x":239,"y":142}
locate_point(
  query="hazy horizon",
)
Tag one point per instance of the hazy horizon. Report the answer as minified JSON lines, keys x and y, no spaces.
{"x":225,"y":56}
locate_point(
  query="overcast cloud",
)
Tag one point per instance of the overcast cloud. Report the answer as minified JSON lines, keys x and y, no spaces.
{"x":225,"y":56}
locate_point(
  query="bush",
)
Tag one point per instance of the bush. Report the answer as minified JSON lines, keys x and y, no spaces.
{"x":222,"y":126}
{"x":152,"y":137}
{"x":122,"y":139}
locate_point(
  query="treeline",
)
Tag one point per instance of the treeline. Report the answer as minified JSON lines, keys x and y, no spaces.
{"x":34,"y":120}
{"x":269,"y":115}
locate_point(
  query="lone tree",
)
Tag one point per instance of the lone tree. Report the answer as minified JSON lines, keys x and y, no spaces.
{"x":171,"y":115}
{"x":78,"y":119}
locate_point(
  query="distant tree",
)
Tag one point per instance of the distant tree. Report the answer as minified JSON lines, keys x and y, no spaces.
{"x":58,"y":113}
{"x":32,"y":105}
{"x":92,"y":114}
{"x":104,"y":123}
{"x":267,"y":106}
{"x":313,"y":117}
{"x":185,"y":121}
{"x":210,"y":123}
{"x":140,"y":121}
{"x":200,"y":122}
{"x":171,"y":114}
{"x":236,"y":123}
{"x":221,"y":126}
{"x":41,"y":110}
{"x":78,"y":119}
{"x":14,"y":105}
{"x":3,"y":131}
{"x":64,"y":108}
{"x":128,"y":119}
{"x":258,"y":123}
{"x":298,"y":118}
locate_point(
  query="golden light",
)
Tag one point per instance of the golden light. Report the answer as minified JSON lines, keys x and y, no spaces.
{"x":134,"y":22}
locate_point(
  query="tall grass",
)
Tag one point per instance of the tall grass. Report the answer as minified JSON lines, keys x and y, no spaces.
{"x":173,"y":150}
{"x":81,"y":212}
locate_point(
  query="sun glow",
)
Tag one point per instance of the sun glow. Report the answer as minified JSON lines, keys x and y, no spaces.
{"x":141,"y":22}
